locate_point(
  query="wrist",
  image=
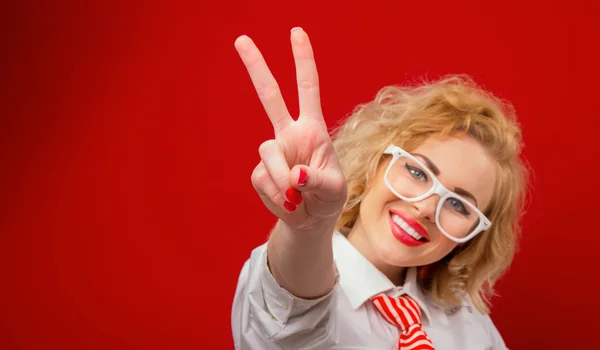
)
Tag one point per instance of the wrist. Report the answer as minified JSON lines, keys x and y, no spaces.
{"x":323,"y":227}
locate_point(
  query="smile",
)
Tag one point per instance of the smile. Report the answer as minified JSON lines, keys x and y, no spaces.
{"x":411,"y":232}
{"x":407,"y":230}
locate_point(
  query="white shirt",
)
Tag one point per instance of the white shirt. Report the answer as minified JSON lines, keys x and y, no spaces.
{"x":266,"y":316}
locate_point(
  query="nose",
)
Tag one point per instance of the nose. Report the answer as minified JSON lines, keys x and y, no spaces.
{"x":426,"y":207}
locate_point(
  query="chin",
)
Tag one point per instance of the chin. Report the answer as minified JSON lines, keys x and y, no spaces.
{"x":395,"y":253}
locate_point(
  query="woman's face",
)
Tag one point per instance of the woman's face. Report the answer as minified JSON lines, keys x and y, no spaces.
{"x":462,"y":163}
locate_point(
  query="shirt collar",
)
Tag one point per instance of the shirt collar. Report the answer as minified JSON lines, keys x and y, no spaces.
{"x":361,"y":280}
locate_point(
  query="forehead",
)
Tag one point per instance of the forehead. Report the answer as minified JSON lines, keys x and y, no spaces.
{"x":464,"y":163}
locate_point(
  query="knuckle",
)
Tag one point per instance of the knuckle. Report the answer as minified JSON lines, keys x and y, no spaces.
{"x":317,"y":181}
{"x":308,"y":84}
{"x":259,"y":176}
{"x":252,"y":59}
{"x":266,"y":147}
{"x":277,"y":197}
{"x":267,"y":91}
{"x":282,"y":181}
{"x":340,"y":181}
{"x":338,"y":184}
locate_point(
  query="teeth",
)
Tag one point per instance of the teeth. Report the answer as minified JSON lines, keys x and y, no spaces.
{"x":411,"y":232}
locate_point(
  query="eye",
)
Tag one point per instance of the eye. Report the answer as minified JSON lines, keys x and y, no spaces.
{"x":458,"y":206}
{"x":417,"y":173}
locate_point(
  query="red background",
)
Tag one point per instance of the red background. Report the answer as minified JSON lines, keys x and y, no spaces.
{"x":129,"y":132}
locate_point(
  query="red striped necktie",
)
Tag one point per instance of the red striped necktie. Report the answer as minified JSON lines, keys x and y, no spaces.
{"x":404,"y":313}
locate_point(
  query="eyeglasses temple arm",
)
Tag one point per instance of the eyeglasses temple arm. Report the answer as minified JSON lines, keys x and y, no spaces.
{"x":390,"y":149}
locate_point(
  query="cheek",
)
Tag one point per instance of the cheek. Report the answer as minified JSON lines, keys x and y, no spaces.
{"x":441,"y":247}
{"x":441,"y":242}
{"x":444,"y":246}
{"x":375,"y":202}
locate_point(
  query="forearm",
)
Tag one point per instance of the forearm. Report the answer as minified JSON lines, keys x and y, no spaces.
{"x":302,"y":262}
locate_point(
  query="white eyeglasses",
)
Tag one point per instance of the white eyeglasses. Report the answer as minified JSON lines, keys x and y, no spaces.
{"x":410,"y":180}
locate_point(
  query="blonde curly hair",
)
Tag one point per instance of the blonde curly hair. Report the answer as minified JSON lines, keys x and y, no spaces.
{"x":452,"y":106}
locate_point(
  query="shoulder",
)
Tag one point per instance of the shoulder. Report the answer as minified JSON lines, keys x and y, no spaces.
{"x":465,"y":323}
{"x":484,"y":322}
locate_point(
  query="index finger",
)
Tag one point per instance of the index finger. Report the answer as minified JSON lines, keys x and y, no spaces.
{"x":265,"y":84}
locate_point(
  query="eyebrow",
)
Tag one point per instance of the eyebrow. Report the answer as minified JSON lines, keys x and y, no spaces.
{"x":436,"y":172}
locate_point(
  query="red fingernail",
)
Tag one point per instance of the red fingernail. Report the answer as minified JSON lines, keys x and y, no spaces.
{"x":293,"y":196}
{"x":289,"y":206}
{"x":303,"y":178}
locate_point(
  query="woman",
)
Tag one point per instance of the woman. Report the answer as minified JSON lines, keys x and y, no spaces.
{"x":391,"y":236}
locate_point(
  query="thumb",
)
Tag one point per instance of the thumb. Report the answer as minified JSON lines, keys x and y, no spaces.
{"x":329,"y":185}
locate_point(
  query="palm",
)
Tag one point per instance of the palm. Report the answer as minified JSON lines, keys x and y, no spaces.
{"x":302,"y":143}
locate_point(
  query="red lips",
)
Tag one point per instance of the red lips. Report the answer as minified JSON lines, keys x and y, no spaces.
{"x":414,"y":224}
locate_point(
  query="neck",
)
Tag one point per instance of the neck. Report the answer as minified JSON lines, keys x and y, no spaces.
{"x":358,"y":238}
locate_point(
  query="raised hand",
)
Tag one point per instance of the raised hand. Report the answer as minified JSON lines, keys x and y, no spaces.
{"x":299,"y":178}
